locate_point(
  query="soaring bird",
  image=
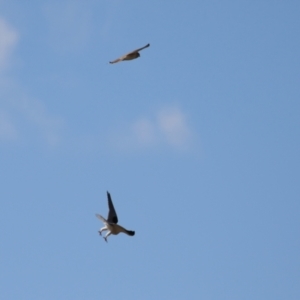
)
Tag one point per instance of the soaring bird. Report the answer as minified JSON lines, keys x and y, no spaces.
{"x":111,"y":223}
{"x":129,"y":56}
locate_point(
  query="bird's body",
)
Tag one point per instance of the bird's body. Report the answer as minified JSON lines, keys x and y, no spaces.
{"x":129,"y":56}
{"x":110,"y":224}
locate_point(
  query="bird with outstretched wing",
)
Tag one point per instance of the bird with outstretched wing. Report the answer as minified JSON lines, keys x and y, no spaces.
{"x":129,"y":56}
{"x":110,"y":225}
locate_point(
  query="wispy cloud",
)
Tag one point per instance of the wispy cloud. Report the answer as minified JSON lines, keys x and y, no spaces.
{"x":69,"y":24}
{"x":18,"y":110}
{"x":172,"y":122}
{"x":112,"y":8}
{"x":35,"y":113}
{"x":23,"y":117}
{"x":8,"y":40}
{"x":167,"y":127}
{"x":143,"y":132}
{"x":7,"y":128}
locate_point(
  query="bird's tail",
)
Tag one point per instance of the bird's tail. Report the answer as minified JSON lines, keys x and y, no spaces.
{"x":130,"y":232}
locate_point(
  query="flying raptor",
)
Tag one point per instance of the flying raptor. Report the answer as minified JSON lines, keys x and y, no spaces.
{"x":129,"y":56}
{"x":111,"y":223}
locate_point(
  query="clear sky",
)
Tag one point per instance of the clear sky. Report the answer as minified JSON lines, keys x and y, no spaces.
{"x":198,"y":142}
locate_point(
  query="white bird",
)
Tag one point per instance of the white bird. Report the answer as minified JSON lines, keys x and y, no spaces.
{"x":111,"y":223}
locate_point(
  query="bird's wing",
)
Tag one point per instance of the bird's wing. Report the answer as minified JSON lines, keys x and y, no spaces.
{"x":124,"y":56}
{"x":101,"y":218}
{"x":115,"y":61}
{"x":112,"y":215}
{"x":137,"y":50}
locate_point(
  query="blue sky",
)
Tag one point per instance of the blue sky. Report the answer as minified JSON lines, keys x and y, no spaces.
{"x":197,"y":141}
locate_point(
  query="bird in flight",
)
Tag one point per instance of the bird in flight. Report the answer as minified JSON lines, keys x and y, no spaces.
{"x":111,"y":223}
{"x":129,"y":56}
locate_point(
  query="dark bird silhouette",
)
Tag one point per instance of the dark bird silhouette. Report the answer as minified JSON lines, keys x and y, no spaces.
{"x":129,"y":56}
{"x":111,"y":223}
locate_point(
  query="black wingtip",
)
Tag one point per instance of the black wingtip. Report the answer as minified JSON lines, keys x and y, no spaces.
{"x":131,"y":233}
